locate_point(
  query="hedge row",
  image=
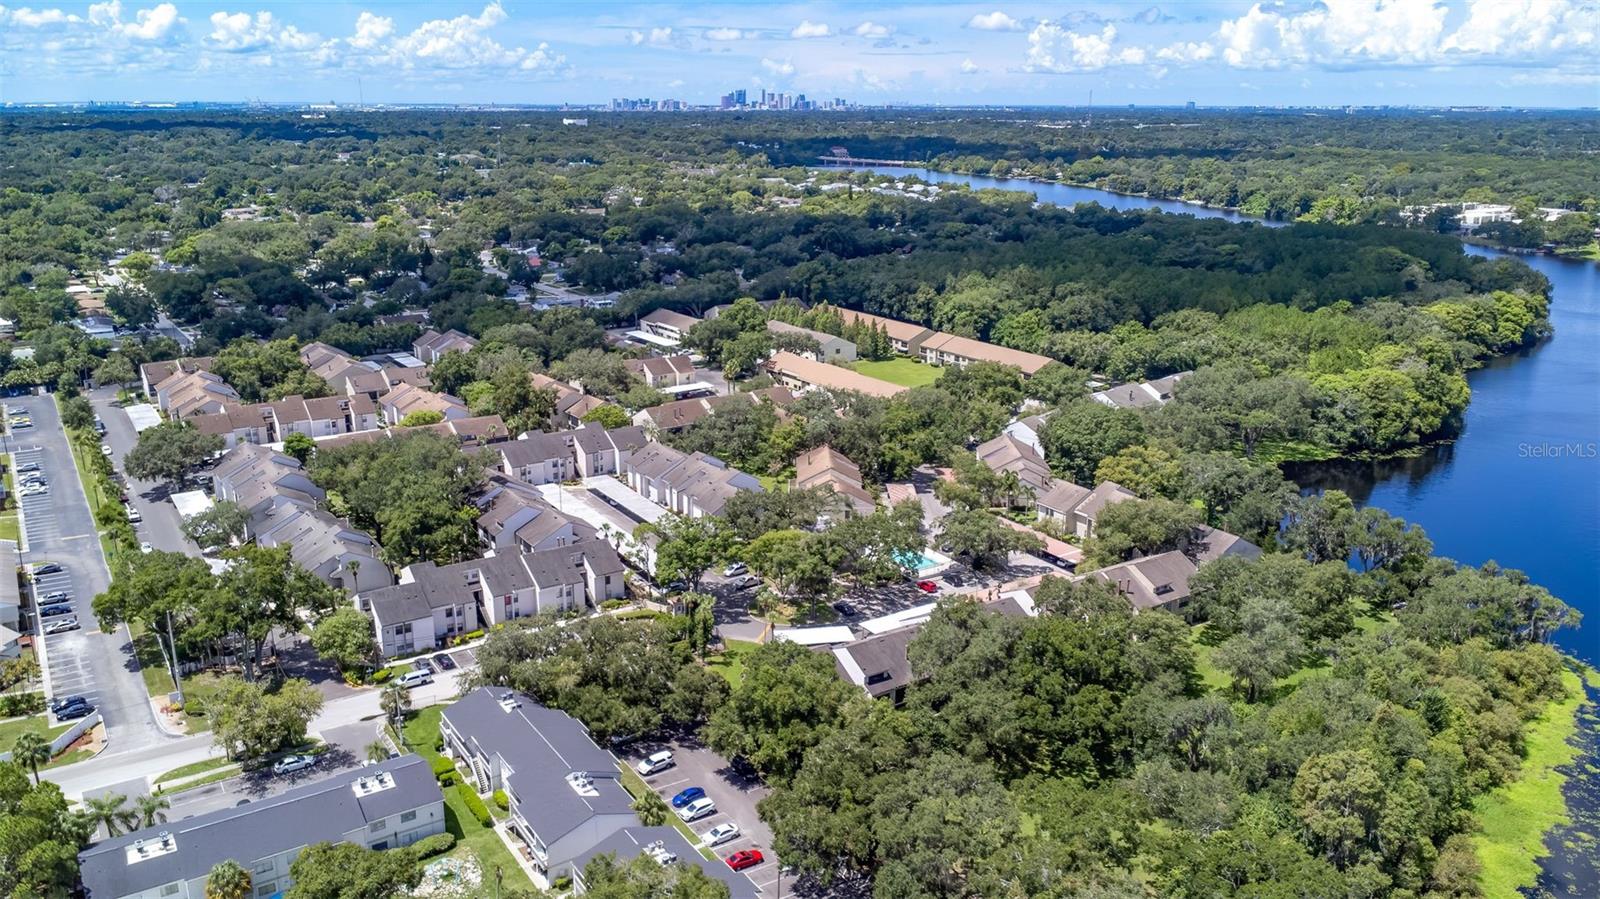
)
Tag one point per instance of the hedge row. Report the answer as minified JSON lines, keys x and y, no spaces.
{"x":474,"y":804}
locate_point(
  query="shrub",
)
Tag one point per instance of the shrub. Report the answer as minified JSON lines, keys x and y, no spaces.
{"x":442,"y":766}
{"x":561,"y":884}
{"x":382,"y":675}
{"x":447,"y":779}
{"x":475,"y":804}
{"x":502,"y":800}
{"x":14,"y":704}
{"x":438,"y":844}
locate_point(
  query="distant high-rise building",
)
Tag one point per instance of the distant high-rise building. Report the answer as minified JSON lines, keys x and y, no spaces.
{"x":1189,"y":105}
{"x":739,"y":97}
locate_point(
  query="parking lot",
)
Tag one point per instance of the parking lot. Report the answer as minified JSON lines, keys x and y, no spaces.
{"x":59,"y":530}
{"x":735,"y":794}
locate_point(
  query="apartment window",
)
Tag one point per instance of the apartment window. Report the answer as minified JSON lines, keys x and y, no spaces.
{"x":406,"y":817}
{"x":378,"y":826}
{"x":171,"y":889}
{"x":266,"y":889}
{"x":262,"y":867}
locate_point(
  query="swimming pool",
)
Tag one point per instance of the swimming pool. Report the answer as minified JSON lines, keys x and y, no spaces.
{"x":929,"y":561}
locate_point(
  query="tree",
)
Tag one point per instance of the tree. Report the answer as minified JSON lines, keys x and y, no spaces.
{"x":263,"y":372}
{"x":395,"y":700}
{"x":982,"y":540}
{"x":31,"y":750}
{"x":1083,"y":432}
{"x":651,"y":809}
{"x":421,"y":417}
{"x":160,"y":590}
{"x":1149,"y":471}
{"x":702,"y":609}
{"x":228,"y":880}
{"x":348,"y":871}
{"x":377,"y":751}
{"x":608,"y":415}
{"x":218,"y":527}
{"x":453,"y":371}
{"x":151,"y":809}
{"x":686,"y":548}
{"x":76,"y":413}
{"x":261,"y":590}
{"x":248,"y":721}
{"x":788,"y":699}
{"x":1338,"y":797}
{"x":1266,"y":647}
{"x":115,"y":370}
{"x":39,"y":838}
{"x":1134,"y":528}
{"x":606,"y":878}
{"x":345,"y":638}
{"x":300,"y":446}
{"x":169,"y":451}
{"x":110,"y":811}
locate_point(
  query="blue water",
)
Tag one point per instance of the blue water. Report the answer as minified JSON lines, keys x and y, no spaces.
{"x":1521,"y":485}
{"x":915,"y":561}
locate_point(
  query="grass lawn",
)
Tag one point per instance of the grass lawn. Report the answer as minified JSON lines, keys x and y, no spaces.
{"x":420,"y":732}
{"x":197,"y":688}
{"x":39,"y":724}
{"x":91,"y":483}
{"x":903,"y":371}
{"x":10,"y":527}
{"x":1515,"y":818}
{"x":193,"y":769}
{"x":730,"y":662}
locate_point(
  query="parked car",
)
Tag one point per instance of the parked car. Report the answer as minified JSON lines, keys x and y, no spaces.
{"x":745,"y":858}
{"x":74,"y":712}
{"x":146,"y":547}
{"x":55,"y":599}
{"x":61,"y":625}
{"x":747,"y":582}
{"x":722,"y":833}
{"x":445,"y":663}
{"x":292,"y":763}
{"x":735,"y":568}
{"x":64,"y":701}
{"x":47,"y":568}
{"x":697,"y":809}
{"x":28,"y":466}
{"x":421,"y":664}
{"x":105,"y":450}
{"x":53,"y":611}
{"x":21,"y":425}
{"x":655,"y":763}
{"x":844,"y":609}
{"x":134,"y":516}
{"x":927,"y":586}
{"x":688,"y":795}
{"x":415,"y":678}
{"x":35,"y":490}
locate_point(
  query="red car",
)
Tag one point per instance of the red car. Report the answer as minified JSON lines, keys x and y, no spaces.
{"x":927,"y":586}
{"x":745,"y":858}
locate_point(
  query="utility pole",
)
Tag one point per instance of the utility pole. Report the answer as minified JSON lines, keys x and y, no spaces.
{"x":177,"y":676}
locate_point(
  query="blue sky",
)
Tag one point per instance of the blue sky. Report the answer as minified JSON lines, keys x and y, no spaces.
{"x":1214,"y":52}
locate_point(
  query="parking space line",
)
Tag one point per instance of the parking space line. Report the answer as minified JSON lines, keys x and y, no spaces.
{"x":670,"y":783}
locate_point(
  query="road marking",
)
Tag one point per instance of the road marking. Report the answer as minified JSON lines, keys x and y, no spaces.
{"x":671,"y":783}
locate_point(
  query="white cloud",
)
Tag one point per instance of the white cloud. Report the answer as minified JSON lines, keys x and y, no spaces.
{"x":23,"y":17}
{"x":994,"y":21}
{"x":240,"y":32}
{"x":467,"y":42}
{"x":1525,"y":28}
{"x":809,"y":28}
{"x":872,"y":29}
{"x":780,"y":67}
{"x":1052,"y":48}
{"x":968,"y":67}
{"x":154,"y":24}
{"x":371,"y":30}
{"x":1337,"y":32}
{"x":1186,"y":52}
{"x":724,"y":34}
{"x":657,"y":37}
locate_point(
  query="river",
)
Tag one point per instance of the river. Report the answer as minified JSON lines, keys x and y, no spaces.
{"x":1521,"y":484}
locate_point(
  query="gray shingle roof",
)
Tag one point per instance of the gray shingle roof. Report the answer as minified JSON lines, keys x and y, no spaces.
{"x":629,"y":842}
{"x":325,"y":810}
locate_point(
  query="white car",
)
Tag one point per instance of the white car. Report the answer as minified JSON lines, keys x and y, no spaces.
{"x":292,"y":763}
{"x":33,"y":491}
{"x":698,"y":809}
{"x":735,"y":568}
{"x":105,"y":450}
{"x":720,"y":834}
{"x":62,"y":625}
{"x":146,"y":548}
{"x":657,"y":762}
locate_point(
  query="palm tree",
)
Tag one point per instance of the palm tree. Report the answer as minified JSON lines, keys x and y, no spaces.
{"x":395,"y":702}
{"x":377,"y":751}
{"x":228,"y":880}
{"x":651,"y":809}
{"x":110,"y":811}
{"x":151,"y":809}
{"x":31,"y":750}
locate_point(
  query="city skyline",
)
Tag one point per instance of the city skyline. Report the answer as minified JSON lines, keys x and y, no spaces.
{"x":1222,"y":53}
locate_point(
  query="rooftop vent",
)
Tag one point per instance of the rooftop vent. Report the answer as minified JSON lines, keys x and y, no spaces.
{"x":509,"y":704}
{"x":1163,"y":589}
{"x":659,"y":851}
{"x":582,"y":783}
{"x":144,"y":849}
{"x":377,"y":783}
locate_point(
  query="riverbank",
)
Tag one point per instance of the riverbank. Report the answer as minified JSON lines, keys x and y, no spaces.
{"x":1589,"y":253}
{"x":1514,"y":819}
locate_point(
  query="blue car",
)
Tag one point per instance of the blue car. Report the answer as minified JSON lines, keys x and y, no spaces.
{"x":687,"y":796}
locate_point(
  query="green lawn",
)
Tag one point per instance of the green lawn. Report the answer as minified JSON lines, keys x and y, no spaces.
{"x":197,"y":688}
{"x":730,"y":662}
{"x":903,"y":371}
{"x":38,"y":724}
{"x":1515,"y":818}
{"x":91,"y":483}
{"x":10,"y":527}
{"x":193,"y":769}
{"x":420,"y":733}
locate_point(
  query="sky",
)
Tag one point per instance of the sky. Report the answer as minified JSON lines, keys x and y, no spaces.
{"x":1211,"y":52}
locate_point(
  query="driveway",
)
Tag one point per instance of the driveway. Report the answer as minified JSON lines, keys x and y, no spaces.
{"x":62,"y":530}
{"x":735,"y":793}
{"x":160,"y":527}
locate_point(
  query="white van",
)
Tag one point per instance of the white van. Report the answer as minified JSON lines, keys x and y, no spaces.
{"x":415,"y":678}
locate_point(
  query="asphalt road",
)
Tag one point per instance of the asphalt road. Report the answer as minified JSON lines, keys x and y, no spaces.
{"x":63,"y":531}
{"x":160,"y":526}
